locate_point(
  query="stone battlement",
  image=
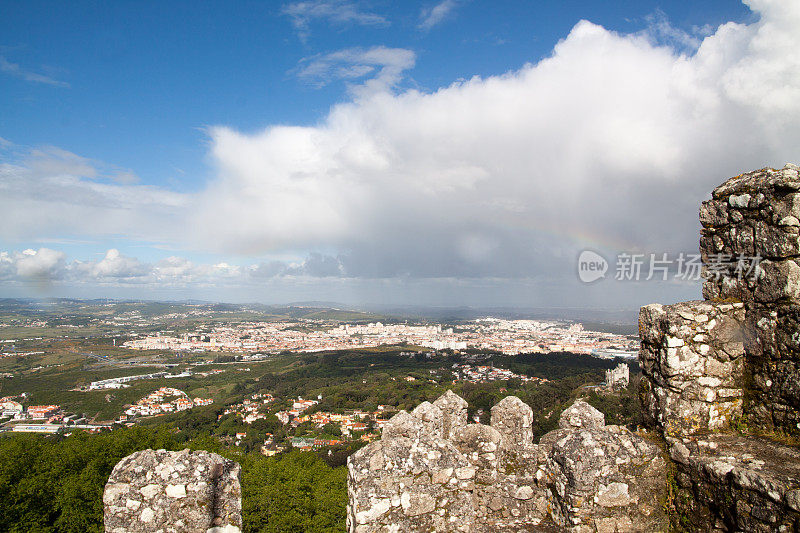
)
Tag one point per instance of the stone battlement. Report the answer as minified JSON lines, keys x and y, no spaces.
{"x":432,"y":471}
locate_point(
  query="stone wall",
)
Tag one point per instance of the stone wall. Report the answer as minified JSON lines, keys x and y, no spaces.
{"x":714,"y":370}
{"x":173,"y":492}
{"x":692,"y":360}
{"x":731,"y":482}
{"x":757,"y":215}
{"x":431,"y":471}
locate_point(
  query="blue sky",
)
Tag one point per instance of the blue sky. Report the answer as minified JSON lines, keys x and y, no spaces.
{"x":171,"y":132}
{"x":143,"y":79}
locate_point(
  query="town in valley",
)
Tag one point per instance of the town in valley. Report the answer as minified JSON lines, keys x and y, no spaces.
{"x":74,"y":365}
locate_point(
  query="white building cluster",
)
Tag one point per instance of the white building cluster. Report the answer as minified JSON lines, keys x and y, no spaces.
{"x":252,"y":408}
{"x":506,"y":336}
{"x":481,"y":373}
{"x":164,"y":400}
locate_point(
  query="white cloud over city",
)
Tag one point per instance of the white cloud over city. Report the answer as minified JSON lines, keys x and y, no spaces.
{"x":613,"y":135}
{"x":611,"y":142}
{"x":115,"y":268}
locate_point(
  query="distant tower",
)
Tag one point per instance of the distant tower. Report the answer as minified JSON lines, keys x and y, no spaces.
{"x":618,"y":378}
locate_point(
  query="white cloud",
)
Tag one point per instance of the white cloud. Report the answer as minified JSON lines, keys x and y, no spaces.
{"x":125,"y":177}
{"x":43,"y":264}
{"x":114,"y":266}
{"x":339,"y":12}
{"x":175,"y":269}
{"x":382,"y":67}
{"x":225,"y":270}
{"x":52,"y":193}
{"x":46,"y":266}
{"x":13,"y":69}
{"x":54,"y":161}
{"x":7,"y":267}
{"x":660,"y":31}
{"x":431,"y":16}
{"x":610,"y":142}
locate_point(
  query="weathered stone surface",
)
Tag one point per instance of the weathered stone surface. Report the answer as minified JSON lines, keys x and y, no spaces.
{"x":753,"y":214}
{"x":157,"y":490}
{"x":454,"y":409}
{"x":758,"y":214}
{"x":607,"y":479}
{"x":773,"y":367}
{"x":432,"y":418}
{"x":736,"y":483}
{"x":513,"y":418}
{"x":488,"y":478}
{"x":411,"y":479}
{"x":692,"y":365}
{"x":482,"y":446}
{"x":581,"y":415}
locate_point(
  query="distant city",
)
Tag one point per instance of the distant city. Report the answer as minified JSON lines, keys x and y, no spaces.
{"x":119,"y":363}
{"x":505,"y":336}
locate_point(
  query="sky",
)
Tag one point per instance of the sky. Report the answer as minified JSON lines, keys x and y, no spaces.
{"x":450,"y":153}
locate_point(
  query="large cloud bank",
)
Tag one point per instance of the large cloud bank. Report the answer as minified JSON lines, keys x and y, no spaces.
{"x":610,"y":142}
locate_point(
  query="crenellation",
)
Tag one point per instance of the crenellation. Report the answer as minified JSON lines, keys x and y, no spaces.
{"x":513,"y":419}
{"x":581,"y":415}
{"x":432,"y":418}
{"x":625,"y":496}
{"x":454,"y":409}
{"x":494,"y":478}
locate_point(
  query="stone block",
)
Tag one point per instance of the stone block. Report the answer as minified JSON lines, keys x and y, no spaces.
{"x":432,"y":418}
{"x":581,"y":415}
{"x":186,"y":492}
{"x":773,"y":367}
{"x":513,"y":419}
{"x":729,"y":482}
{"x":692,"y":364}
{"x":454,"y":410}
{"x":607,"y":478}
